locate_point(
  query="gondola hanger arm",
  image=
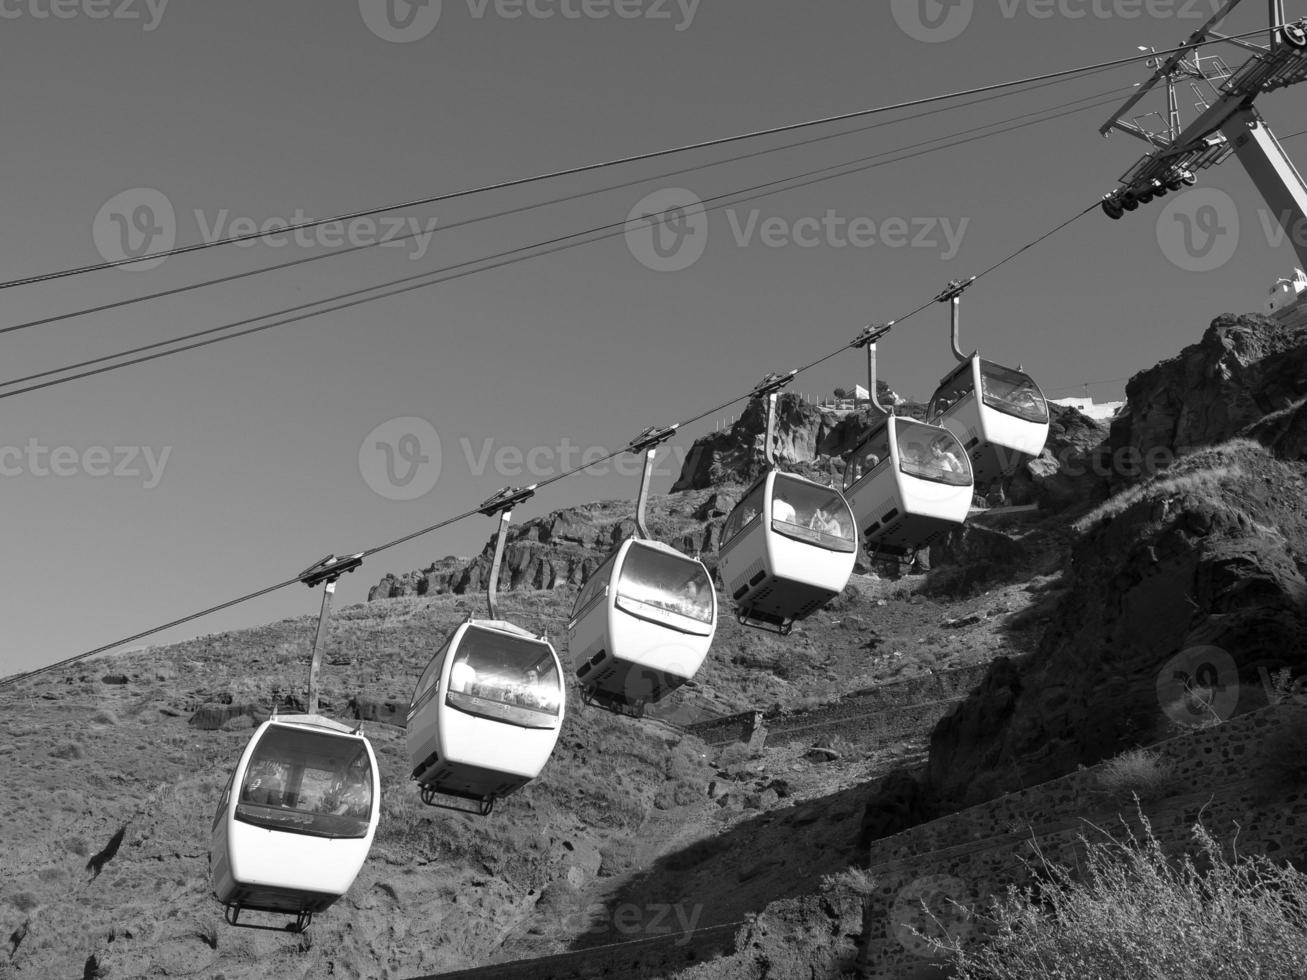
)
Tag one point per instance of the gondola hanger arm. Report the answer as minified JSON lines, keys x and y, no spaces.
{"x":651,"y":438}
{"x":506,"y":499}
{"x":954,"y":290}
{"x":870,"y":334}
{"x":329,"y":569}
{"x":772,"y":383}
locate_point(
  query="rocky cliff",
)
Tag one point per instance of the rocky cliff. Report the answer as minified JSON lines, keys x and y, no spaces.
{"x":1210,"y":553}
{"x":809,"y":440}
{"x":1244,"y":369}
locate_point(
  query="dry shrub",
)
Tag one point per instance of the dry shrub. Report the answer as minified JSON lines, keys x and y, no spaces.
{"x":1141,"y":772}
{"x":1133,"y":912}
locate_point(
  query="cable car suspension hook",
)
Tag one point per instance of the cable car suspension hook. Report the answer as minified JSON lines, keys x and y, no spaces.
{"x":767,"y":388}
{"x":324,"y":573}
{"x":870,"y":334}
{"x":952,"y":295}
{"x":502,"y":503}
{"x":872,"y":385}
{"x":647,"y":442}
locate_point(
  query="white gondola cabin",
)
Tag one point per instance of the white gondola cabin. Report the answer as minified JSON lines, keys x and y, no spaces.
{"x":998,"y":414}
{"x":642,"y":625}
{"x":787,"y":548}
{"x":486,"y":713}
{"x":297,"y":818}
{"x":907,"y":483}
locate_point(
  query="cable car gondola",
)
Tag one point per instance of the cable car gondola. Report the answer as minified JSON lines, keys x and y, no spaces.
{"x":998,"y":413}
{"x":644,"y":621}
{"x":297,"y":818}
{"x":486,"y":712}
{"x":788,"y":546}
{"x":907,"y":483}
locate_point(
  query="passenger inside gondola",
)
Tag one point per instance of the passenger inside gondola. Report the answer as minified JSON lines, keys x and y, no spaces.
{"x":350,"y":793}
{"x":667,"y":581}
{"x":811,"y":507}
{"x":783,"y":510}
{"x":504,"y":669}
{"x":303,"y":771}
{"x":1012,"y":392}
{"x":829,"y":523}
{"x":744,"y":513}
{"x":930,"y":454}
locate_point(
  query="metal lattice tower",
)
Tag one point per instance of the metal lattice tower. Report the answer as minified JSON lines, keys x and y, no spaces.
{"x":1227,"y":121}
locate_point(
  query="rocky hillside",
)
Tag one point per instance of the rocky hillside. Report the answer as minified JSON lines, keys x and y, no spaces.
{"x":644,"y":849}
{"x":1210,"y":551}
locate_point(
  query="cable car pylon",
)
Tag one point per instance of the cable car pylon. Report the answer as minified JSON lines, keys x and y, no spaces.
{"x":644,"y":620}
{"x":1228,"y":122}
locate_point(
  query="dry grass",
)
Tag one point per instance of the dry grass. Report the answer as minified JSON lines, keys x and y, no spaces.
{"x":1141,"y":772}
{"x":1134,"y":912}
{"x":1203,"y":474}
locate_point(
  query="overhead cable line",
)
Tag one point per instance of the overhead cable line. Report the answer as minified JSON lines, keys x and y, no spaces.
{"x":636,"y":158}
{"x":407,"y":284}
{"x":521,"y":209}
{"x":480,"y":509}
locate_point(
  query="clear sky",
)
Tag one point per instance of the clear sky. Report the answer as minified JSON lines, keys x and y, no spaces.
{"x":145,"y":494}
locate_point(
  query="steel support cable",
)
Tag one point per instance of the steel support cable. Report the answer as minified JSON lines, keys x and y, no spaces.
{"x":508,"y":212}
{"x":68,"y":661}
{"x":636,"y":158}
{"x":406,"y":284}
